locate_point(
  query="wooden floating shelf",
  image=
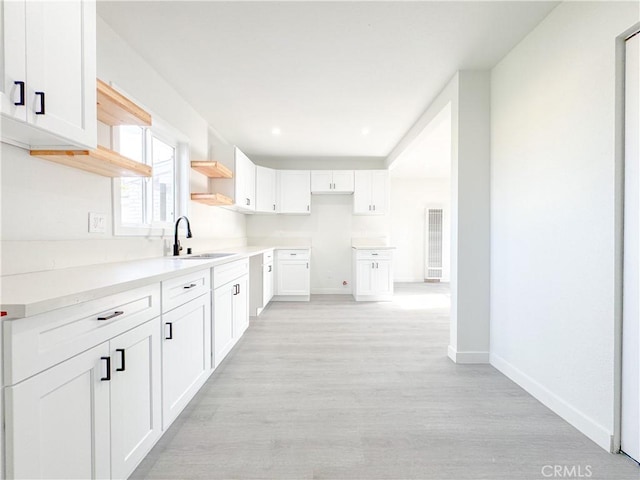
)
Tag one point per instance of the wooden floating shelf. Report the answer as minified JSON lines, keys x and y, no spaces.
{"x":102,"y":161}
{"x":116,"y":109}
{"x":212,"y":169}
{"x":213,"y":199}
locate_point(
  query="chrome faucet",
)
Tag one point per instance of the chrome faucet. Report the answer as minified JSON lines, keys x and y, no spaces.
{"x":176,"y":242}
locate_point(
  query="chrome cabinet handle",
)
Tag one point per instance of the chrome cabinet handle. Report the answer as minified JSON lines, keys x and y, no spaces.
{"x":113,"y":315}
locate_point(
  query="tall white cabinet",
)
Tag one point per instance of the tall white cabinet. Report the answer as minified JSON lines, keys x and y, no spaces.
{"x":48,"y":89}
{"x":266,"y":190}
{"x":371,"y":193}
{"x":294,"y":192}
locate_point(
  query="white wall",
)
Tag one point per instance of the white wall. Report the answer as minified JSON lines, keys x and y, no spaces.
{"x":409,"y":198}
{"x":552,"y":212}
{"x":330,"y":228}
{"x":45,"y":206}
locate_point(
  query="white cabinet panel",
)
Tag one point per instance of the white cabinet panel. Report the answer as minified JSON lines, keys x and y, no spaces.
{"x":343,"y":181}
{"x":135,"y":397}
{"x":58,"y":421}
{"x":245,"y":177}
{"x":294,"y":191}
{"x":267,"y":283}
{"x":293,"y":277}
{"x":371,"y":194}
{"x":240,"y":307}
{"x":14,"y":59}
{"x":59,"y":70}
{"x":321,"y":181}
{"x":265,"y":190}
{"x":186,"y":359}
{"x":332,"y":181}
{"x":373,"y":275}
{"x":223,"y":321}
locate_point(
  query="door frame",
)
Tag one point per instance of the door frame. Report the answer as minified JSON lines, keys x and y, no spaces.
{"x":619,"y":196}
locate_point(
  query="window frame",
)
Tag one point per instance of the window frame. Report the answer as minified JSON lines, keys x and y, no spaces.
{"x":180,"y":144}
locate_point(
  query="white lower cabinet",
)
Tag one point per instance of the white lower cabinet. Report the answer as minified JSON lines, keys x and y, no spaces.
{"x":373,"y":275}
{"x":230,"y":306}
{"x":292,"y":275}
{"x":135,"y":397}
{"x":57,"y":422}
{"x":95,"y":415}
{"x":267,"y":283}
{"x":186,"y":355}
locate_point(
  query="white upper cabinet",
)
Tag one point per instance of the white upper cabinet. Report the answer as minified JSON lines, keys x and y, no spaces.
{"x":245,"y":197}
{"x":48,"y":83}
{"x":242,"y":187}
{"x":371,"y":194}
{"x":294,"y":191}
{"x":265,"y":190}
{"x":332,"y":181}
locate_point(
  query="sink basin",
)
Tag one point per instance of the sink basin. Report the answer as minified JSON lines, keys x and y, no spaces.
{"x":204,"y":256}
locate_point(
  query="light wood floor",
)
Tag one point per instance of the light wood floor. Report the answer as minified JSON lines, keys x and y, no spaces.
{"x":335,"y":389}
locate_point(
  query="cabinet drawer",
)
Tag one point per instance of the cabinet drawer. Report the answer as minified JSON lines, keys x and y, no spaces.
{"x":299,"y":254}
{"x":228,"y":272}
{"x":36,"y":343}
{"x":374,"y":254}
{"x":180,"y":290}
{"x":267,"y":257}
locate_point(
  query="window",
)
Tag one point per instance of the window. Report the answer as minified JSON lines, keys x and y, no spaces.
{"x":146,"y":206}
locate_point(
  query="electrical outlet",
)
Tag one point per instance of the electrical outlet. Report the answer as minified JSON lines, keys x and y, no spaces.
{"x":97,"y":222}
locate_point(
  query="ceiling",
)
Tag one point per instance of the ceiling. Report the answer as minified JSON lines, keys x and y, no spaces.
{"x":321,"y":72}
{"x":429,"y":155}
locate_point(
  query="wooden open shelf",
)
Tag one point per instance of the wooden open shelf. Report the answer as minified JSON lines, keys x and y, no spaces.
{"x":212,"y":169}
{"x":102,"y":161}
{"x":116,"y":109}
{"x":214,"y":199}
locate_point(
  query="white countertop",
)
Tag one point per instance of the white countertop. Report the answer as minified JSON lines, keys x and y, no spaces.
{"x":30,"y":294}
{"x":368,"y":246}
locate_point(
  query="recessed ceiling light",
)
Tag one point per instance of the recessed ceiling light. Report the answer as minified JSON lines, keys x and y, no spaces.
{"x":275,"y":131}
{"x":365,"y":131}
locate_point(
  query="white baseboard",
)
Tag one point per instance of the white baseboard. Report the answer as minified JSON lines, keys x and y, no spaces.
{"x":331,"y":291}
{"x":467,"y":357}
{"x":590,"y":428}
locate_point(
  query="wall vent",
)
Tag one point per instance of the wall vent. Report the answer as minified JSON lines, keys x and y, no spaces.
{"x":433,"y":254}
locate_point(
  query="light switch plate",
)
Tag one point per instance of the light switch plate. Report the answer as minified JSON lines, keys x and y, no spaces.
{"x":97,"y":222}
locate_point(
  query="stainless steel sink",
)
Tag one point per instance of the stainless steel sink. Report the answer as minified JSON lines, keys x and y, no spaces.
{"x":204,"y":256}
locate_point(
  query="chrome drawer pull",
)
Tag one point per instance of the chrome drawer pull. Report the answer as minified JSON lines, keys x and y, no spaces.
{"x":113,"y":315}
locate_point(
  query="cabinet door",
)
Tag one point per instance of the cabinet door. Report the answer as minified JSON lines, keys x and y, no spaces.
{"x":362,"y":192}
{"x":265,"y":190}
{"x":267,"y":284}
{"x":379,"y":191}
{"x":294,"y":188}
{"x":245,"y":178}
{"x":321,"y":181}
{"x":293,"y":277}
{"x":383,"y":283}
{"x":57,"y":422}
{"x":223,"y":321}
{"x":61,"y":63}
{"x":13,"y":67}
{"x":135,"y":396}
{"x":186,"y":358}
{"x":365,"y":281}
{"x":240,"y":307}
{"x":343,"y":181}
